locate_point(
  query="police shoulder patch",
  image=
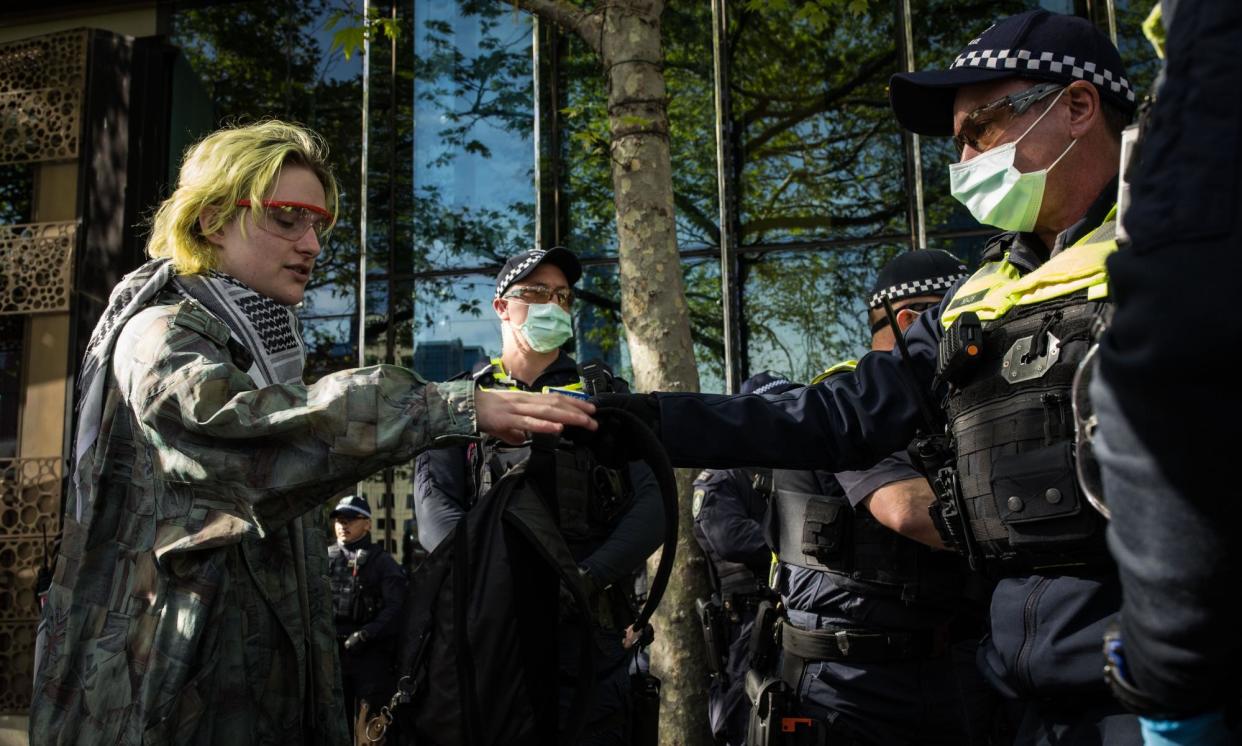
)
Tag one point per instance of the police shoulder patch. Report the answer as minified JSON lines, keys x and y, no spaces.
{"x":697,"y":504}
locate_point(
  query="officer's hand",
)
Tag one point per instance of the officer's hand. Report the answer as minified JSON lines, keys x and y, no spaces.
{"x":612,"y":443}
{"x":643,"y":406}
{"x":355,"y":639}
{"x":513,"y":415}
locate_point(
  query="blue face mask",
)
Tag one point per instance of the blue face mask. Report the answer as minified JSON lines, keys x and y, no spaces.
{"x":547,"y":326}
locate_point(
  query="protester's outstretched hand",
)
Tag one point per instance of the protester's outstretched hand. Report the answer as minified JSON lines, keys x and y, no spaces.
{"x":513,"y":415}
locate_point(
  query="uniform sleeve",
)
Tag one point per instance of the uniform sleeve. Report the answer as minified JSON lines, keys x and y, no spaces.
{"x":849,"y":421}
{"x":392,"y":587}
{"x":734,"y":535}
{"x":638,"y":533}
{"x":859,"y":485}
{"x":440,"y":485}
{"x":236,"y":459}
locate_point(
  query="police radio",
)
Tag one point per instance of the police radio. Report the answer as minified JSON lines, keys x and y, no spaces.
{"x":596,"y":378}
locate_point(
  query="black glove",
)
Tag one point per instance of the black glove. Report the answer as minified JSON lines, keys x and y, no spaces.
{"x":643,"y":406}
{"x":355,"y":639}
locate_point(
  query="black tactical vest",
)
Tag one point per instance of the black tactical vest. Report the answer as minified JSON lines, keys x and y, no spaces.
{"x":1012,"y":426}
{"x":815,"y":527}
{"x":353,"y":601}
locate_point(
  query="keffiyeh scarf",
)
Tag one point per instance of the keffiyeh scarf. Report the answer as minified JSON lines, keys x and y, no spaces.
{"x":268,"y":331}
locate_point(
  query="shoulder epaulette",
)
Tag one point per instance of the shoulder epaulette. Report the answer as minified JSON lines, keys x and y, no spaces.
{"x":194,"y":317}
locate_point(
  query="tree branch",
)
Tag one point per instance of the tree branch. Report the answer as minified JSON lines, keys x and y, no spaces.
{"x":792,"y":118}
{"x":583,"y":23}
{"x":696,"y":216}
{"x":794,"y":222}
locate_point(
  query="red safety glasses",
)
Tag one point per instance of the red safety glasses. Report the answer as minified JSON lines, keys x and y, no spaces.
{"x":290,"y":220}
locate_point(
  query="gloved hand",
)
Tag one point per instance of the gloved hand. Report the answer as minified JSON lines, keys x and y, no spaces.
{"x":610,"y":442}
{"x":643,"y":406}
{"x":355,"y":639}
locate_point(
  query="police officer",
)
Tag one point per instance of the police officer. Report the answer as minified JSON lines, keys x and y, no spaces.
{"x":368,"y":588}
{"x":1162,"y":403}
{"x":622,"y":518}
{"x":881,"y":630}
{"x":729,"y":506}
{"x":1036,"y":103}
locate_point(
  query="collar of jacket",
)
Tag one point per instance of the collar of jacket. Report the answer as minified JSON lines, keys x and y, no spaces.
{"x":563,"y":370}
{"x":1027,"y":252}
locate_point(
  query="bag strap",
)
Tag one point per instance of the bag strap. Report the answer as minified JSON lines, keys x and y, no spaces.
{"x":528,"y":513}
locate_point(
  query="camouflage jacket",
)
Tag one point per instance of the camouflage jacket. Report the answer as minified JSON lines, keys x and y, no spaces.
{"x":190,"y":602}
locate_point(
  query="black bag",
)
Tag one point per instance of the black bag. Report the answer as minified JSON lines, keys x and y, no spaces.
{"x":477,"y":651}
{"x":480,"y":617}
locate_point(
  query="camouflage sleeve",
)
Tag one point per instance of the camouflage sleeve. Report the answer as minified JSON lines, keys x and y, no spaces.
{"x":266,"y":455}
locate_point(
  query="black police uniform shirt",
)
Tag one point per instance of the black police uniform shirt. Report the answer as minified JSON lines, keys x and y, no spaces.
{"x":1045,"y":629}
{"x":728,"y":511}
{"x":442,"y":481}
{"x":816,"y":593}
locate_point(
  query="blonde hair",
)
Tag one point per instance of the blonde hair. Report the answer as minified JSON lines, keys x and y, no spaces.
{"x":231,"y":164}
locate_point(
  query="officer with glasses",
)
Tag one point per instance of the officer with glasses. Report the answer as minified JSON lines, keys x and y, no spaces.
{"x":986,"y":375}
{"x":611,"y":528}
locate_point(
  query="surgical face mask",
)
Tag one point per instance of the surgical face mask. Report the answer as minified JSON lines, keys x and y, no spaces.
{"x":997,"y":193}
{"x":546,"y":327}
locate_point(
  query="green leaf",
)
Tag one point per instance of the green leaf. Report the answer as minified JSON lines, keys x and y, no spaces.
{"x":349,"y":40}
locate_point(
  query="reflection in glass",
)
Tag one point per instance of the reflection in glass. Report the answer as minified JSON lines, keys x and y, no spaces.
{"x":820,"y":153}
{"x":457,"y":326}
{"x":806,"y":311}
{"x":473,"y":111}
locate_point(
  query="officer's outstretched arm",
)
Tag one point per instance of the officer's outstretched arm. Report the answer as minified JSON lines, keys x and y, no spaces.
{"x":849,"y":421}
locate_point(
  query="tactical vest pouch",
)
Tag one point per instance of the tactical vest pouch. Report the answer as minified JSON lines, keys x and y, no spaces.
{"x":813,"y":530}
{"x":823,"y":529}
{"x":1038,"y":500}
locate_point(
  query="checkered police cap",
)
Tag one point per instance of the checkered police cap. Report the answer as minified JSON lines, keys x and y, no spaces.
{"x":915,"y":273}
{"x":523,"y":264}
{"x":767,"y":382}
{"x":1037,"y":44}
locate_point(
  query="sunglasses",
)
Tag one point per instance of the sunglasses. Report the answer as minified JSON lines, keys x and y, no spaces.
{"x":290,"y":220}
{"x":536,"y":294}
{"x":978,"y":129}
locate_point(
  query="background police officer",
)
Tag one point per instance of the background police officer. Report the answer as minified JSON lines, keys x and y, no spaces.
{"x":625,"y":518}
{"x":368,"y":588}
{"x":729,"y":506}
{"x":1036,"y":103}
{"x":895,"y":623}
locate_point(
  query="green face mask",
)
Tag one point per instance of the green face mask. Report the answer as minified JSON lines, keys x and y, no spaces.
{"x":997,"y":193}
{"x":547,"y":326}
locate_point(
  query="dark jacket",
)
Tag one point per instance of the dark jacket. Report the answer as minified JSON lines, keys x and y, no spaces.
{"x":378,"y":585}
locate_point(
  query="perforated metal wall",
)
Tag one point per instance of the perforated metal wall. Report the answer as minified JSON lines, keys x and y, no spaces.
{"x":42,"y":84}
{"x":36,"y":267}
{"x":30,"y":490}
